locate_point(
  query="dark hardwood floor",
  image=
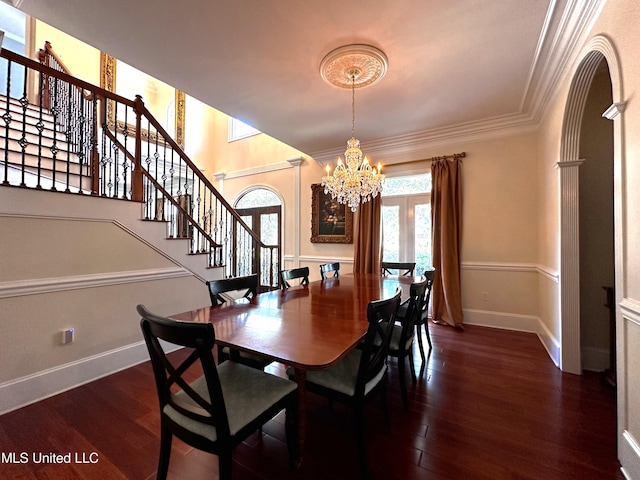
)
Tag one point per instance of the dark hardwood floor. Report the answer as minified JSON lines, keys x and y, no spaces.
{"x":489,"y":406}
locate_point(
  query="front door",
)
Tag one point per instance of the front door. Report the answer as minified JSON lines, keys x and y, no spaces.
{"x":265,"y":222}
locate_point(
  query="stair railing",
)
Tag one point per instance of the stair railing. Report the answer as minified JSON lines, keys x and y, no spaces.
{"x":130,"y":156}
{"x":71,"y":106}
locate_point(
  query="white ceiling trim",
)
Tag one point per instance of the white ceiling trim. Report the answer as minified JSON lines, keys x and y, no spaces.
{"x":552,"y":58}
{"x":414,"y":144}
{"x":577,"y":19}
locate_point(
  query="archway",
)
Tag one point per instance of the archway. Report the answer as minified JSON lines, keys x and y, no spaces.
{"x":598,"y":50}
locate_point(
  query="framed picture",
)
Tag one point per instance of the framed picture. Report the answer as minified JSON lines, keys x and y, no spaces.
{"x":170,"y":102}
{"x":331,"y":222}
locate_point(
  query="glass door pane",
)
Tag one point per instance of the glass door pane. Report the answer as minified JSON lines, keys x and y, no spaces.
{"x":269,"y":228}
{"x":407,"y":230}
{"x":391,"y":233}
{"x":422,"y":240}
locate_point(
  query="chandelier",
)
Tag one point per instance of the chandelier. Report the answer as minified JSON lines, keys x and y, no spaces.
{"x":354,"y":181}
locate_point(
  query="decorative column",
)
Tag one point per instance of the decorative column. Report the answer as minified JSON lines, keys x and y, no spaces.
{"x":220,"y":178}
{"x":297,"y":178}
{"x":570,"y":360}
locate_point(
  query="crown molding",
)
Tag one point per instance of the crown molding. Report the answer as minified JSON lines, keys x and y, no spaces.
{"x":399,"y":147}
{"x":566,"y":26}
{"x":574,"y":20}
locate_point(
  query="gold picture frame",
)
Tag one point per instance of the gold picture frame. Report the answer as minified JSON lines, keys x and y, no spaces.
{"x":331,"y":221}
{"x":108,"y":78}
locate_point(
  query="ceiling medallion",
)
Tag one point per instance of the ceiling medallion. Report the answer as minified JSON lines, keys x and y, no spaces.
{"x":353,"y":181}
{"x":338,"y":65}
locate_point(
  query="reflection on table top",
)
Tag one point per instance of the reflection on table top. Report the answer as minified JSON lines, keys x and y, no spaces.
{"x":308,"y":327}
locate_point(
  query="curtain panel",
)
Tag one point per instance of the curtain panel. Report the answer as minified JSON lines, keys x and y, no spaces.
{"x":446,"y":218}
{"x":367,"y":245}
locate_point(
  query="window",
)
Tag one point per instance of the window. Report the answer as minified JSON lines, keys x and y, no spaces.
{"x":406,"y":219}
{"x":13,"y":23}
{"x":239,"y":129}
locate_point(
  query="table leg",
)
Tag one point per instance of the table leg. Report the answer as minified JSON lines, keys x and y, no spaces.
{"x":300,"y":376}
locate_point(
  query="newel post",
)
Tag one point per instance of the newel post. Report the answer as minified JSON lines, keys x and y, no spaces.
{"x":137,"y":194}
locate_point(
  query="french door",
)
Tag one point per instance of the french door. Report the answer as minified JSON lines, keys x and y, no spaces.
{"x":406,"y":231}
{"x":265,"y":221}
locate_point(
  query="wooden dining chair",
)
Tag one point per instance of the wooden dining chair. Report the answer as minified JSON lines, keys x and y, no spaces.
{"x":398,"y":268}
{"x":362,"y":372}
{"x":423,"y":320}
{"x":226,"y":289}
{"x":230,"y":289}
{"x":401,"y":345}
{"x":328,"y":268}
{"x":293,"y":274}
{"x":221,"y":407}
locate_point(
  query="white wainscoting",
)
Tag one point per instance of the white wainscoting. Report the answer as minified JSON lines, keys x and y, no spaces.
{"x":38,"y":386}
{"x":19,"y":392}
{"x":47,"y":383}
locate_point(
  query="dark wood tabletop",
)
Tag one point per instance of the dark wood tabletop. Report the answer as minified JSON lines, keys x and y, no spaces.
{"x":307,"y":327}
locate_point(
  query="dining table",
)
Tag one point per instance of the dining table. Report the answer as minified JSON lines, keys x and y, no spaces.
{"x":307,"y":327}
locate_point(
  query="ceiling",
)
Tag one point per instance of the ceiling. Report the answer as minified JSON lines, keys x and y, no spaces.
{"x":455,"y":66}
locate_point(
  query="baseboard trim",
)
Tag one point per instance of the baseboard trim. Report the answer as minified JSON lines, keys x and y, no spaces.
{"x":39,"y":386}
{"x":517,"y":322}
{"x":629,"y":452}
{"x":33,"y":388}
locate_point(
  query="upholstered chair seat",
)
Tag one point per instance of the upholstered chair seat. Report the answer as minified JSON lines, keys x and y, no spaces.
{"x":236,"y":380}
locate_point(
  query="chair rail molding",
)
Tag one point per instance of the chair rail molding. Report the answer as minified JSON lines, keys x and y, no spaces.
{"x":547,"y":272}
{"x":40,"y":286}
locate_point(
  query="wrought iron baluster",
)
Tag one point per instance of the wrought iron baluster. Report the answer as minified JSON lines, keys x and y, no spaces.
{"x":80,"y":148}
{"x":6,"y":116}
{"x":55,"y":111}
{"x":24,"y":102}
{"x":68,"y":131}
{"x":121,"y":184}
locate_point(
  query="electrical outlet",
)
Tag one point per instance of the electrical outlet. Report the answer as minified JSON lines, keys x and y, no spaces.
{"x":67,"y":336}
{"x":485,"y":296}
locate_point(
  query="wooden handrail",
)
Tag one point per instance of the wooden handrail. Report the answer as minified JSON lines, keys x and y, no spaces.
{"x":168,"y":139}
{"x":100,"y":92}
{"x":102,"y":97}
{"x":48,"y":50}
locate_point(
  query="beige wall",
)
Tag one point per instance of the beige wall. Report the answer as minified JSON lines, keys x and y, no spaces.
{"x":83,"y":271}
{"x":499,"y":226}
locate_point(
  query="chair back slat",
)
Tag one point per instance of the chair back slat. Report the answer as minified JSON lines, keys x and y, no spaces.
{"x":200,"y":339}
{"x":430,"y":275}
{"x":328,"y":268}
{"x":398,"y":268}
{"x":293,"y":274}
{"x":249,"y":283}
{"x":381,"y":315}
{"x":417,"y":298}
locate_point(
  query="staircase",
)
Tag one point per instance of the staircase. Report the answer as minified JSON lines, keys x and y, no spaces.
{"x":76,"y":138}
{"x":35,"y":153}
